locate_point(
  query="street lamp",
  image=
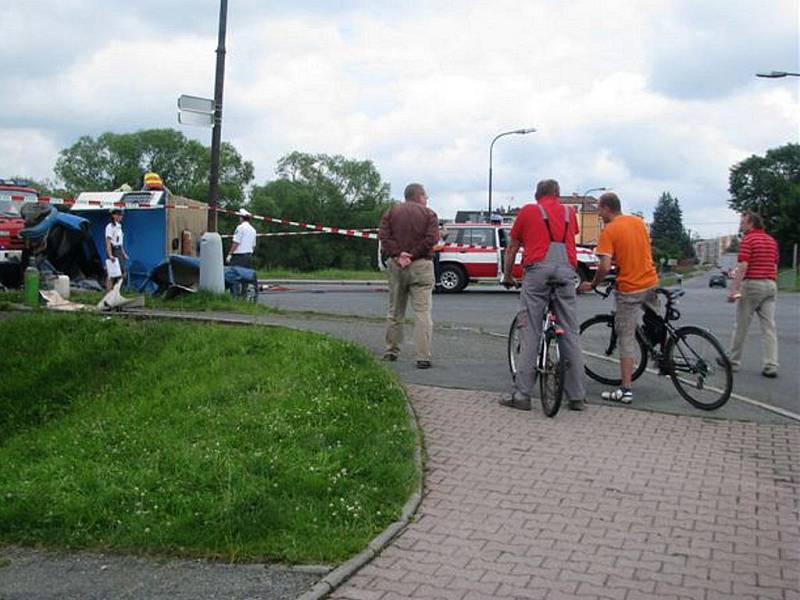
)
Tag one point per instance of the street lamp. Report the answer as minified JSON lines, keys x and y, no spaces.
{"x":777,"y":74}
{"x":597,"y":189}
{"x":491,"y":147}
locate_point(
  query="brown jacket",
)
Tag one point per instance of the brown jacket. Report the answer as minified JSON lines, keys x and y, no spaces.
{"x":409,"y":227}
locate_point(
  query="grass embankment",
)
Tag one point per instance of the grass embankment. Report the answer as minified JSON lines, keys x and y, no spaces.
{"x":197,"y":440}
{"x":367,"y":274}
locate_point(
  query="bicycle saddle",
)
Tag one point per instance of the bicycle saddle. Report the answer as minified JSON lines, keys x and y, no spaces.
{"x":672,"y":294}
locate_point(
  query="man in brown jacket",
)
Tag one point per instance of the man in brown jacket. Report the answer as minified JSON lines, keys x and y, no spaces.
{"x":408,"y":234}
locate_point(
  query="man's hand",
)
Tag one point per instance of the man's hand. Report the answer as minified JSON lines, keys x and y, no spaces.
{"x":508,"y":281}
{"x":112,"y":258}
{"x":585,"y":286}
{"x":403,"y":260}
{"x":734,"y":296}
{"x":228,"y":259}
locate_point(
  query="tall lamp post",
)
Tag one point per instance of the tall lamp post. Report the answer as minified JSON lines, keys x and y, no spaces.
{"x":491,"y":148}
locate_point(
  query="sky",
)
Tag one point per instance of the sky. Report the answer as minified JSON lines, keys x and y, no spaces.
{"x":638,"y":96}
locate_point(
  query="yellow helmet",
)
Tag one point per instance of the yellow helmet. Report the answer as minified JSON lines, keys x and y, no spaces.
{"x":152,"y":181}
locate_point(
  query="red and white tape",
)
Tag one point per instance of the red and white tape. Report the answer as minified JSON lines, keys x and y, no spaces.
{"x":311,"y":226}
{"x":314,"y":228}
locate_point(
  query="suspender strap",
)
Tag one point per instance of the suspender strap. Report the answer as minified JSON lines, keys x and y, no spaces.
{"x":547,"y":223}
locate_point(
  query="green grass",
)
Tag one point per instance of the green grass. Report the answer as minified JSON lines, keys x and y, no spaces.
{"x":349,"y":274}
{"x":789,"y":280}
{"x":197,"y":440}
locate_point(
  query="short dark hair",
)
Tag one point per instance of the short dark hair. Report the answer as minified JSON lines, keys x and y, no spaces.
{"x":547,"y":187}
{"x":610,"y":201}
{"x":756,"y":220}
{"x":413,"y":190}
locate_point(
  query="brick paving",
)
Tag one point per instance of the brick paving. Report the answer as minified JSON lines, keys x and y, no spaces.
{"x":607,"y":503}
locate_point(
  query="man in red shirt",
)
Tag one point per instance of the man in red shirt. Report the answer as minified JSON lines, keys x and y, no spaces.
{"x":755,"y":288}
{"x":546,"y":230}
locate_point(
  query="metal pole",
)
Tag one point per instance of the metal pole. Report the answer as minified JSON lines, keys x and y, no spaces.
{"x":216,"y":135}
{"x":794,"y":259}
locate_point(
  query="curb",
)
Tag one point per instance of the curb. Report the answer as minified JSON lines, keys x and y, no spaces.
{"x":343,"y":572}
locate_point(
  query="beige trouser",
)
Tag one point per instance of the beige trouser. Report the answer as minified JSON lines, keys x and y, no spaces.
{"x":415,"y":281}
{"x":758,"y":296}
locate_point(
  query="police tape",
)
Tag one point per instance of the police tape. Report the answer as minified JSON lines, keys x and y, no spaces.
{"x":311,"y":226}
{"x":314,"y":228}
{"x":279,"y":234}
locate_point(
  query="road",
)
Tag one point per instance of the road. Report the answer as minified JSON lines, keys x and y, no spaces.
{"x":470,"y":344}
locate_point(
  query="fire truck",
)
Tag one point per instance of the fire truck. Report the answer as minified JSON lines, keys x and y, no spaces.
{"x":13,"y":194}
{"x":481,"y":258}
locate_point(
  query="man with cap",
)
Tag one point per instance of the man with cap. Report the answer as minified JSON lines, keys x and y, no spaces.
{"x":244,"y":242}
{"x":115,"y":250}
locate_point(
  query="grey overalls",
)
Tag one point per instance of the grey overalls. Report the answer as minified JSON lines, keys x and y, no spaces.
{"x":533,"y":297}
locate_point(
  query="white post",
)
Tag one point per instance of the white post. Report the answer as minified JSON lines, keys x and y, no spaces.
{"x":212,"y":269}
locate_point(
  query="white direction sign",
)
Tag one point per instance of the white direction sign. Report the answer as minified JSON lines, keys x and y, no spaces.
{"x":196,"y":104}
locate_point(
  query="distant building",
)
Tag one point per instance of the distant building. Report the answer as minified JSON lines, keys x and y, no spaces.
{"x":710,"y":251}
{"x":585,"y":207}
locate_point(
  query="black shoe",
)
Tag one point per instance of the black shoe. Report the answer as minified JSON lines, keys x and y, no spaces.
{"x":771,"y":373}
{"x":515,"y":401}
{"x":390,"y":357}
{"x":424,"y":364}
{"x":576,"y":404}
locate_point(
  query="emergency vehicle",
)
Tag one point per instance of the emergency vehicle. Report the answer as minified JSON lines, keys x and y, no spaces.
{"x":13,"y":194}
{"x":482,"y":257}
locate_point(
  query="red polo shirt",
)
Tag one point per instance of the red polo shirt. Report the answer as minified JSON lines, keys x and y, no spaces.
{"x":530,"y":230}
{"x":760,"y":251}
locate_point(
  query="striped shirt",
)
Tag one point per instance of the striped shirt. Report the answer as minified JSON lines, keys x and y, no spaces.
{"x":760,"y":251}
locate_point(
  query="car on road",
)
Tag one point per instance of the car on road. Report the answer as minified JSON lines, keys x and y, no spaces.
{"x":718,"y":280}
{"x":475,"y":253}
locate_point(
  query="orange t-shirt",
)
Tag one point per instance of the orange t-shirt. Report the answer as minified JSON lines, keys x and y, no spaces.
{"x":627,"y":242}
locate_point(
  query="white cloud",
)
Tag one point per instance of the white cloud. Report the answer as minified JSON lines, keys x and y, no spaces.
{"x":27,"y":153}
{"x":422,"y":89}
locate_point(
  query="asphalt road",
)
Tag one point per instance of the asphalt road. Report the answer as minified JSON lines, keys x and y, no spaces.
{"x":470,"y":344}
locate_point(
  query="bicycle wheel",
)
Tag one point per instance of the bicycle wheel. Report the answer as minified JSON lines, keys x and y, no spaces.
{"x":699,"y":368}
{"x":601,"y":351}
{"x":551,"y":377}
{"x":514,"y":347}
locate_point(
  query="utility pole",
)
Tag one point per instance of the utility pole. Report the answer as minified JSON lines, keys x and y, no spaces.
{"x":216,"y":135}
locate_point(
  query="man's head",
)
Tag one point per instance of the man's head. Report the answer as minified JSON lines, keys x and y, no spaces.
{"x":547,"y":187}
{"x":416,"y":193}
{"x":116,"y":214}
{"x":608,"y":207}
{"x":243,"y":215}
{"x":751,"y":220}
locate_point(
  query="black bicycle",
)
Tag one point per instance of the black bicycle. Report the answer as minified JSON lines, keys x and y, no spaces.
{"x":550,"y":364}
{"x":691,"y":356}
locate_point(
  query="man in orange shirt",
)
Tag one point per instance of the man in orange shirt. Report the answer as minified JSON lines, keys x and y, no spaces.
{"x":625,"y":240}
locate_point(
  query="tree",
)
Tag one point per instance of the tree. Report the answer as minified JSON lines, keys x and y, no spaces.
{"x":331,"y":190}
{"x":113,"y":159}
{"x":669,"y":238}
{"x":770,"y":186}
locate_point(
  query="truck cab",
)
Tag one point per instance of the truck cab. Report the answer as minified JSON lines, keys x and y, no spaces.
{"x":13,"y":195}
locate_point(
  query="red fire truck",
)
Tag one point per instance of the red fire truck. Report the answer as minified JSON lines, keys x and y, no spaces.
{"x":13,"y":194}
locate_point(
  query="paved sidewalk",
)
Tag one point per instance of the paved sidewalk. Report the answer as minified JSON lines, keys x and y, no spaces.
{"x":607,"y":503}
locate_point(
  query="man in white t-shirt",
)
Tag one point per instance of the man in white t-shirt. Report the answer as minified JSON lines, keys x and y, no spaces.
{"x":115,"y":250}
{"x":244,"y":242}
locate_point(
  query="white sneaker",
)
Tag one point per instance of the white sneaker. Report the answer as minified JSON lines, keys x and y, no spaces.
{"x":623,"y":395}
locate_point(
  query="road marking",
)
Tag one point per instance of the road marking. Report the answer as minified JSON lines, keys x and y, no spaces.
{"x":763,"y":405}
